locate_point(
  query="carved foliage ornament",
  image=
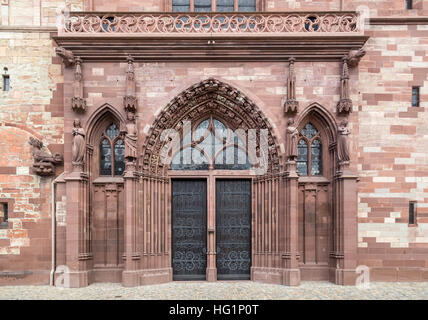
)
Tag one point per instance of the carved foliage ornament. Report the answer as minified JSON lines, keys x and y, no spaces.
{"x":44,"y":162}
{"x":207,"y":97}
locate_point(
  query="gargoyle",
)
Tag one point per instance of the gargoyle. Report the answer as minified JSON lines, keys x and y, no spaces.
{"x":44,"y":162}
{"x":354,"y":57}
{"x":66,"y":55}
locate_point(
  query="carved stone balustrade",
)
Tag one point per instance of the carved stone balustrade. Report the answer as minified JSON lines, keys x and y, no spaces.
{"x":261,"y":36}
{"x":207,"y":23}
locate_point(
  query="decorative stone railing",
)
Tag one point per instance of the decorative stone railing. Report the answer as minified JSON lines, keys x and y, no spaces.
{"x":267,"y":23}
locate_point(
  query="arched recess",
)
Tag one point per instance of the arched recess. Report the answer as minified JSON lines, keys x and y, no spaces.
{"x":105,"y":198}
{"x":316,"y":189}
{"x":209,"y":98}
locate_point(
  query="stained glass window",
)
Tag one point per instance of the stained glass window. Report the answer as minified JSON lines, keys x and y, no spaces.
{"x":313,"y":160}
{"x":302,"y":157}
{"x":112,"y":163}
{"x":316,"y":158}
{"x":119,"y":157}
{"x":212,"y":144}
{"x":105,"y":158}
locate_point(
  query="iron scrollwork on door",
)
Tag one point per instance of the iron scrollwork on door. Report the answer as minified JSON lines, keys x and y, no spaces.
{"x":233,"y":229}
{"x":189,"y":220}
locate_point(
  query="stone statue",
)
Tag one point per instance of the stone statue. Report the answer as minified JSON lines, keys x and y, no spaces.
{"x":66,"y":55}
{"x":131,"y":136}
{"x":292,"y":136}
{"x":354,"y":57}
{"x":79,"y":145}
{"x":342,"y":142}
{"x":44,"y":162}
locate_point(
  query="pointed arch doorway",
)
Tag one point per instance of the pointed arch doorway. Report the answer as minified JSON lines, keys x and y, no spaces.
{"x":211,"y":207}
{"x":211,"y":180}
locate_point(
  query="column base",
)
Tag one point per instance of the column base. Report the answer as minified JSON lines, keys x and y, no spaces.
{"x":211,"y":274}
{"x":267,"y":275}
{"x":291,"y":277}
{"x":344,"y":277}
{"x":74,"y":279}
{"x":146,"y":277}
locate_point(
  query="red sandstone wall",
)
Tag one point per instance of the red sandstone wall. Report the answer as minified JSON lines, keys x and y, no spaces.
{"x":393,"y":158}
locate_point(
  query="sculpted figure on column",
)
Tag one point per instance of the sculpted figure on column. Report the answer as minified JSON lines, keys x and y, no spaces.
{"x":292,"y":136}
{"x":131,"y":136}
{"x":342,"y":142}
{"x":79,"y":145}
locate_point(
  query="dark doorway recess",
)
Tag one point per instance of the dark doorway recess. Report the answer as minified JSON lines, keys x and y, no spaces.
{"x":233,"y":229}
{"x":189,"y":229}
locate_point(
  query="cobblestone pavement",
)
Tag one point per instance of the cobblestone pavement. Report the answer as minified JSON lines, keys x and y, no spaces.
{"x":221,"y":291}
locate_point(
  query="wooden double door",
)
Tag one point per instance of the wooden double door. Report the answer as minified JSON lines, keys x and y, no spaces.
{"x":204,"y":228}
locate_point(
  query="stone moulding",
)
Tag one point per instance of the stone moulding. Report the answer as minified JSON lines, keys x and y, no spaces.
{"x":206,"y":23}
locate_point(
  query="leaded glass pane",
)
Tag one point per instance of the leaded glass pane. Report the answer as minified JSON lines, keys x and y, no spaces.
{"x":302,"y":157}
{"x":232,"y":158}
{"x":119,"y":157}
{"x":316,"y":157}
{"x":309,"y":131}
{"x":220,"y":129}
{"x":105,"y":158}
{"x":112,"y":131}
{"x":202,"y":5}
{"x":225,"y":5}
{"x":247,"y":5}
{"x":181,"y":5}
{"x":189,"y":159}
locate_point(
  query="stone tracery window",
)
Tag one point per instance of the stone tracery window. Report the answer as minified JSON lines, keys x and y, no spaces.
{"x":216,"y":5}
{"x":309,"y":152}
{"x":112,"y":152}
{"x":211,"y":145}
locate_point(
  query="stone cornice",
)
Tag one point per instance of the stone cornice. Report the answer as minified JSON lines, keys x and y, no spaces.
{"x":217,"y":48}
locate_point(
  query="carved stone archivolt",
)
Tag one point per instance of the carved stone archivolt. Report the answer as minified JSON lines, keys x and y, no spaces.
{"x":78,"y":103}
{"x":44,"y":162}
{"x":130,"y":100}
{"x":345,"y":103}
{"x":207,"y":97}
{"x":291,"y":104}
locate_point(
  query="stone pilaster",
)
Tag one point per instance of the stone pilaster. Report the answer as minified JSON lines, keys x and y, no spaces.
{"x":291,"y":273}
